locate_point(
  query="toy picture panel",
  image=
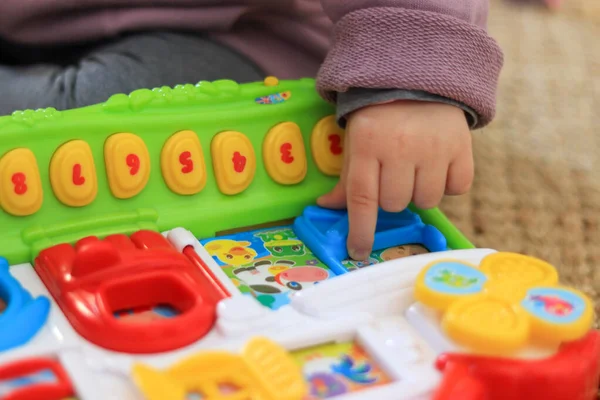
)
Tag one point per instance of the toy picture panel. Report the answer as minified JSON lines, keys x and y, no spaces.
{"x":335,"y":369}
{"x":392,"y":253}
{"x":269,"y":264}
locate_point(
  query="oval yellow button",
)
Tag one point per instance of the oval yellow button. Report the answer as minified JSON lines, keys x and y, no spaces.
{"x":73,"y":174}
{"x":182,"y":163}
{"x":20,"y":181}
{"x":284,"y":154}
{"x":233,"y":160}
{"x":127,"y":164}
{"x":487,"y":325}
{"x":327,"y":146}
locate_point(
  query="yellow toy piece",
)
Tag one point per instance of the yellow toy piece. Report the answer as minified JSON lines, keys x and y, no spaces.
{"x":271,"y":81}
{"x":182,"y":163}
{"x":327,"y":146}
{"x":518,"y":270}
{"x":264,"y":371}
{"x":487,"y":324}
{"x":234,"y":161}
{"x":73,"y":174}
{"x":457,"y":278}
{"x":127,"y":164}
{"x":21,"y":190}
{"x":510,"y":301}
{"x":284,"y":154}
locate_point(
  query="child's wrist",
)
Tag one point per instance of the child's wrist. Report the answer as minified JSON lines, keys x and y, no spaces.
{"x":357,"y":98}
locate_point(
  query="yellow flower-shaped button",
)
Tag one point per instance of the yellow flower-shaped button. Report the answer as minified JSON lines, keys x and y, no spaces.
{"x":510,"y":301}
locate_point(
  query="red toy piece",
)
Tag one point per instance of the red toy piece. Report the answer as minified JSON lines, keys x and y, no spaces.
{"x":96,"y":282}
{"x":27,"y":387}
{"x":572,"y":374}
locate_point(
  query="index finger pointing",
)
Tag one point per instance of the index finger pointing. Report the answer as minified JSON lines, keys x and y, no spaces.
{"x":363,"y":200}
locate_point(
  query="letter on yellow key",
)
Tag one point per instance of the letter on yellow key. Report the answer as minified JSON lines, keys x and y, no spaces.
{"x":182,"y":163}
{"x":73,"y":174}
{"x":234,"y":161}
{"x":127,"y":164}
{"x":327,"y":145}
{"x":284,"y":154}
{"x":20,"y":182}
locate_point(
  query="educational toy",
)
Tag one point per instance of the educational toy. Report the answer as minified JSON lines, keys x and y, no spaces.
{"x":165,"y":245}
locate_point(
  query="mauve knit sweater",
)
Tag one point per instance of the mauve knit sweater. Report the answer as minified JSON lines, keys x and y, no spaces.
{"x":436,"y":46}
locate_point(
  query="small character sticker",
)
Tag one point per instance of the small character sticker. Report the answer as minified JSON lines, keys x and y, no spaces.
{"x":407,"y":250}
{"x":276,"y":98}
{"x":454,"y":277}
{"x":336,"y":369}
{"x":231,"y":252}
{"x":286,"y":248}
{"x":555,"y":305}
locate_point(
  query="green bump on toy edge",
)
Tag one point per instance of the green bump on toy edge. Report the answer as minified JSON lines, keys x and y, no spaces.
{"x":155,"y":115}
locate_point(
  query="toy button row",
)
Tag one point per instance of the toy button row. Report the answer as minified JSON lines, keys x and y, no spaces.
{"x":73,"y":173}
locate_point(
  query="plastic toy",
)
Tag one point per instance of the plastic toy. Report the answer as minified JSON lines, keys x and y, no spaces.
{"x":165,"y":245}
{"x":36,"y":378}
{"x":22,"y":311}
{"x":264,"y":371}
{"x":326,"y":232}
{"x":96,"y":279}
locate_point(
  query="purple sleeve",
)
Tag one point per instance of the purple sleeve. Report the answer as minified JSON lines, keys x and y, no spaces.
{"x":435,"y":46}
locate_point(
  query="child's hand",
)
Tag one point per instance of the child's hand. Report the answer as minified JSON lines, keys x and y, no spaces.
{"x":395,"y":153}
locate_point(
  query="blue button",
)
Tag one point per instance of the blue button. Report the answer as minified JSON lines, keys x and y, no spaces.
{"x":325,"y":233}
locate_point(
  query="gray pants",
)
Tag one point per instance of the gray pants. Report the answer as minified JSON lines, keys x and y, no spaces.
{"x":75,"y":76}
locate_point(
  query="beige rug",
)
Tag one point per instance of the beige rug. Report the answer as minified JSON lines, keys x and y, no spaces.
{"x":537,"y":186}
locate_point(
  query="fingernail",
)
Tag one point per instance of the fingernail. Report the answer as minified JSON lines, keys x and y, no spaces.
{"x":359,"y":255}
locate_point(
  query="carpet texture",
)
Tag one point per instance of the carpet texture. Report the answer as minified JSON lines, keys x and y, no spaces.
{"x":537,"y":185}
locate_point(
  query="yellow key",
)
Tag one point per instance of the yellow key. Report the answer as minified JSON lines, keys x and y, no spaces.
{"x":182,"y":163}
{"x":276,"y":368}
{"x":327,"y":146}
{"x":21,"y":191}
{"x":445,"y":281}
{"x":510,"y":273}
{"x":127,"y":164}
{"x":234,"y":161}
{"x":487,"y":325}
{"x":73,"y":174}
{"x":558,"y":314}
{"x":265,"y":371}
{"x":284,"y":154}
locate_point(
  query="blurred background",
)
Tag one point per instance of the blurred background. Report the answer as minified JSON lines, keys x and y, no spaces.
{"x":537,"y":185}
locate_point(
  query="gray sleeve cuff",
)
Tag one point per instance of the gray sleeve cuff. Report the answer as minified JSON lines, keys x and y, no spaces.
{"x":357,"y":98}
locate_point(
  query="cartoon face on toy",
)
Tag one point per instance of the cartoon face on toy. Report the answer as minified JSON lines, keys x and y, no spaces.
{"x":302,"y":277}
{"x":231,"y":252}
{"x":260,"y":277}
{"x":403,"y":251}
{"x":286,"y":248}
{"x":272,"y":277}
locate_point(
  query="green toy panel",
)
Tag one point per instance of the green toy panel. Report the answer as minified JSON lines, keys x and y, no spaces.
{"x":135,"y":131}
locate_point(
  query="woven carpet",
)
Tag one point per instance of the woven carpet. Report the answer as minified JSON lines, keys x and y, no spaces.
{"x":537,"y":185}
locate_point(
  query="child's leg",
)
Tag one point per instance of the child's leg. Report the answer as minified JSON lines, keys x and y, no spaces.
{"x":137,"y":61}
